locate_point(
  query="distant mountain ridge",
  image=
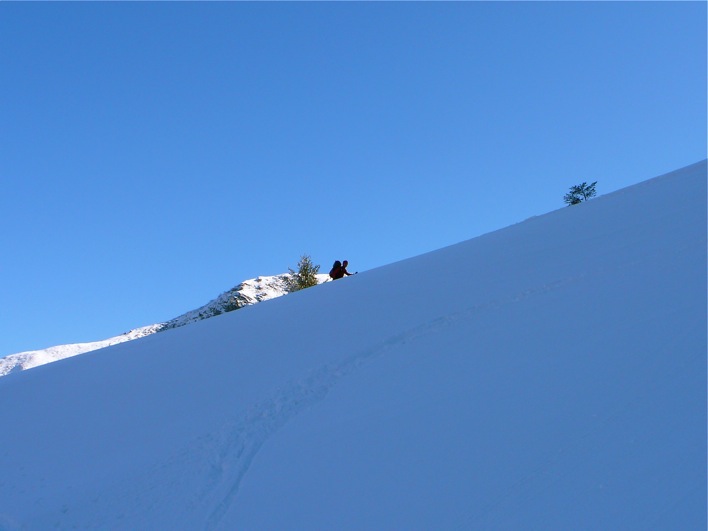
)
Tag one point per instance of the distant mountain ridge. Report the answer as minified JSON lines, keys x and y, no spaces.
{"x":247,"y":293}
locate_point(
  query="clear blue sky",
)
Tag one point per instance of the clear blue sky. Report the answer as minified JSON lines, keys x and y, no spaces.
{"x":154,"y":155}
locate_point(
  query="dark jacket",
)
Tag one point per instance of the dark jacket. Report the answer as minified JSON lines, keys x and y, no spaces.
{"x":339,"y":272}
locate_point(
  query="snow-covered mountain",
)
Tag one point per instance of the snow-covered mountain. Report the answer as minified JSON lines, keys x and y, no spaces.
{"x":550,"y":375}
{"x":35,"y":358}
{"x":245,"y":294}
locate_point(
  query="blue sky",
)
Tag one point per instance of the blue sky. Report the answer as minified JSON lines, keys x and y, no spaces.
{"x":156,"y":154}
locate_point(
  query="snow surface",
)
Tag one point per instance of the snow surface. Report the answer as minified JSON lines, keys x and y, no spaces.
{"x":550,"y":375}
{"x":247,"y":293}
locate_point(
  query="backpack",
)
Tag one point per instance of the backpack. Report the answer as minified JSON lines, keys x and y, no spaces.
{"x":335,"y":269}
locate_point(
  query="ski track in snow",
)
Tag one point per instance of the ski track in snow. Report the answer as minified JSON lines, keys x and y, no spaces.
{"x":239,"y":441}
{"x":213,"y":466}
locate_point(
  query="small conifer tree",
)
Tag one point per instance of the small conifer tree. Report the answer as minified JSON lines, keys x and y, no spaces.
{"x":304,"y":277}
{"x":579,"y":193}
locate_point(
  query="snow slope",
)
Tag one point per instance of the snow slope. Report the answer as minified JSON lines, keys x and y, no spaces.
{"x":557,"y":382}
{"x":245,"y":294}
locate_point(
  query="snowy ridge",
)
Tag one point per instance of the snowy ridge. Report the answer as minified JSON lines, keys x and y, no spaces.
{"x":247,"y":293}
{"x":34,"y":358}
{"x":558,"y":384}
